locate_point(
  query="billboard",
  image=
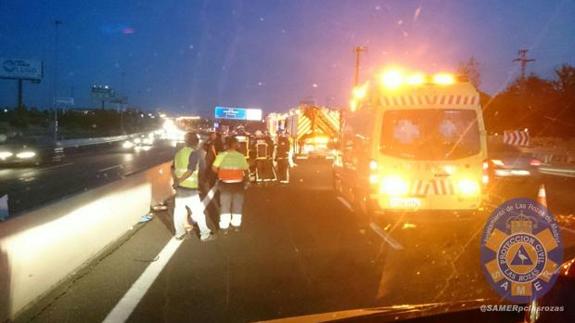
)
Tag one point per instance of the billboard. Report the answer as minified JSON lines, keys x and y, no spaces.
{"x":102,"y":92}
{"x":26,"y":69}
{"x":236,"y":113}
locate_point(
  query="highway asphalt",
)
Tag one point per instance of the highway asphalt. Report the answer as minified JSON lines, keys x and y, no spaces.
{"x":31,"y":187}
{"x":300,"y":251}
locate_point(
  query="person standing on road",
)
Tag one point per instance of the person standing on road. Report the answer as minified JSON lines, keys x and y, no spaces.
{"x":264,"y":170}
{"x":272,"y":176}
{"x":232,"y":169}
{"x":211,"y":153}
{"x":188,"y":164}
{"x":283,"y":155}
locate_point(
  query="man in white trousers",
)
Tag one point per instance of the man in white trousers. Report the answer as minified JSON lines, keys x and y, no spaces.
{"x":186,"y":169}
{"x":232,"y":169}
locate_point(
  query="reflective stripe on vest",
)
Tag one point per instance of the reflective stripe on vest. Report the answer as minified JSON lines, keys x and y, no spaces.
{"x":181,"y":161}
{"x":230,"y":170}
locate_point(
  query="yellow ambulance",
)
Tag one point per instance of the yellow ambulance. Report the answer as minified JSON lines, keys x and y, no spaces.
{"x":412,"y":142}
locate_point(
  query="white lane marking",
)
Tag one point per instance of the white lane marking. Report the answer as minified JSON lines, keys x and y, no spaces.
{"x":124,"y":308}
{"x":386,"y":237}
{"x":57,"y":166}
{"x":110,"y":168}
{"x":345,"y":203}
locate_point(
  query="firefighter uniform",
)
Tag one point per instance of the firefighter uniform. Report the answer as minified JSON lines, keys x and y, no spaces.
{"x":187,"y":196}
{"x":283,"y":149}
{"x":252,"y":157}
{"x":264,"y":162}
{"x":231,"y":166}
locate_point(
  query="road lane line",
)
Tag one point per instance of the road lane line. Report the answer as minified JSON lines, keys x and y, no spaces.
{"x":124,"y":308}
{"x":109,"y":168}
{"x":345,"y":203}
{"x":57,"y":166}
{"x":386,"y":237}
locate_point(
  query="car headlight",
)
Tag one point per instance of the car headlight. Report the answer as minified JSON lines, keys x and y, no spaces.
{"x":127,"y":145}
{"x":393,"y":185}
{"x":26,"y":155}
{"x":5,"y":155}
{"x":137,"y":140}
{"x":467,"y":187}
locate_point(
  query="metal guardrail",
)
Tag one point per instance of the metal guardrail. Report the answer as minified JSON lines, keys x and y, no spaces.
{"x":558,"y":171}
{"x":556,"y":161}
{"x":68,"y":143}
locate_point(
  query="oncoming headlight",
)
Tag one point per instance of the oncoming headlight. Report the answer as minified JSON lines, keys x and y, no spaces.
{"x":5,"y":155}
{"x":127,"y":145}
{"x":26,"y":155}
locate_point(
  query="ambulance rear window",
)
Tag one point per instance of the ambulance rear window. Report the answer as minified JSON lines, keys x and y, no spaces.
{"x":434,"y":134}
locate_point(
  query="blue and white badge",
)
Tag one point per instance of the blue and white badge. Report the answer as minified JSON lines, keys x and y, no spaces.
{"x":521,"y":250}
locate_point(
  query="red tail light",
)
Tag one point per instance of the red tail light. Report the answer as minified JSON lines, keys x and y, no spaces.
{"x":535,"y":162}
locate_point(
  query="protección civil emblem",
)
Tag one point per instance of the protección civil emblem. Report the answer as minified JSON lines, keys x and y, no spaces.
{"x":521,"y":250}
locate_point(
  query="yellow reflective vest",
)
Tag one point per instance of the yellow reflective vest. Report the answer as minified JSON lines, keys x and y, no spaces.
{"x":181,"y":161}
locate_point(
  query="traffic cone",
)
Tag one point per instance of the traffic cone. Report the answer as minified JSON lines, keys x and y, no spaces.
{"x":542,"y":195}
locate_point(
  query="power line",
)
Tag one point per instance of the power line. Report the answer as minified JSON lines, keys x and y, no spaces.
{"x":523,"y":61}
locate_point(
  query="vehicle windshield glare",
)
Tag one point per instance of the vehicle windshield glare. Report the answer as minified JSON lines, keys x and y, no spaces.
{"x":431,"y":134}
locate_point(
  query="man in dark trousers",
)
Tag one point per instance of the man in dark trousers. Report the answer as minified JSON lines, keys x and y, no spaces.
{"x":264,"y":165}
{"x":270,"y":158}
{"x":210,"y":146}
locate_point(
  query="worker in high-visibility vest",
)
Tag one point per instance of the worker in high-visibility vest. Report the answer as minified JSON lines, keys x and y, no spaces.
{"x":232,"y":169}
{"x":189,"y":163}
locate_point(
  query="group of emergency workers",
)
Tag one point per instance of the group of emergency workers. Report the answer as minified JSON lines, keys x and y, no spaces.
{"x":223,"y":167}
{"x":269,"y":159}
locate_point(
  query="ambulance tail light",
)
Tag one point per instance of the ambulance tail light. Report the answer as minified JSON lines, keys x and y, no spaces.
{"x":373,"y":172}
{"x":535,"y":162}
{"x":485,"y":174}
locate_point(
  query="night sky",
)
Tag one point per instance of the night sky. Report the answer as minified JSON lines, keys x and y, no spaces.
{"x":188,"y":56}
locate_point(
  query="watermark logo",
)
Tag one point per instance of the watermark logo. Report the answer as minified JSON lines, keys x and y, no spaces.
{"x":521,"y":250}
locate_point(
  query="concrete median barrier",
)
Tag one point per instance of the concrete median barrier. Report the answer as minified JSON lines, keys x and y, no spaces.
{"x":40,"y":249}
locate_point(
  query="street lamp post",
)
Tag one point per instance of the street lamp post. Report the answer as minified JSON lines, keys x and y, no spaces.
{"x":57,"y":23}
